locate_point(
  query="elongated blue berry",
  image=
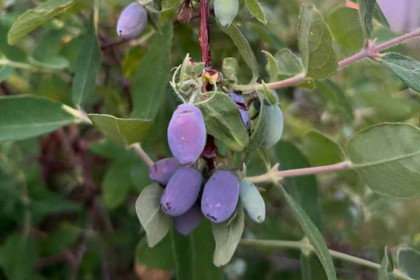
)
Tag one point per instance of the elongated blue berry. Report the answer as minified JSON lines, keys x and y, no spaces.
{"x":274,"y":125}
{"x":162,"y":170}
{"x":240,"y":103}
{"x":226,"y":11}
{"x":188,"y":221}
{"x":181,"y":192}
{"x":132,"y":21}
{"x":187,"y":133}
{"x":220,"y":196}
{"x":252,"y":200}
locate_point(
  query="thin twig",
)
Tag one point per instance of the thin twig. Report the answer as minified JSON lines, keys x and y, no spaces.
{"x":369,"y":51}
{"x":305,"y":246}
{"x":274,"y":175}
{"x":141,"y":153}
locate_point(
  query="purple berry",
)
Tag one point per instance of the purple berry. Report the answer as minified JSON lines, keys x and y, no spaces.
{"x":220,"y":196}
{"x":181,"y":192}
{"x":132,"y":21}
{"x":240,"y":103}
{"x":163,"y":170}
{"x":187,"y":133}
{"x":188,"y":221}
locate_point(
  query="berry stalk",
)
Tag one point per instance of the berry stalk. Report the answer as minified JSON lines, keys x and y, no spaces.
{"x":204,"y":33}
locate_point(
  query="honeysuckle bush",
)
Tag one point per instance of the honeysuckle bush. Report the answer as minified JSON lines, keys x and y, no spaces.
{"x":105,"y":175}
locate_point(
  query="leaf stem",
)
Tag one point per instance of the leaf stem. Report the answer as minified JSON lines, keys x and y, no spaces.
{"x":305,"y":246}
{"x":369,"y":51}
{"x":275,"y":175}
{"x":142,"y":154}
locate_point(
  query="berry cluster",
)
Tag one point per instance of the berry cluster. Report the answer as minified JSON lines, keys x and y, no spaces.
{"x":184,"y":198}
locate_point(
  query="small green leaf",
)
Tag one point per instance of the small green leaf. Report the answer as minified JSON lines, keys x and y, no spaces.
{"x":387,"y":266}
{"x":32,"y":19}
{"x":256,"y":10}
{"x":223,"y":121}
{"x":316,"y":44}
{"x":335,"y":95}
{"x":320,"y":149}
{"x":25,"y":116}
{"x":406,"y":68}
{"x":312,"y":233}
{"x":409,"y":262}
{"x":346,"y":29}
{"x":158,"y":257}
{"x":387,"y":157}
{"x":227,"y":236}
{"x":272,"y":67}
{"x":116,"y":184}
{"x":126,"y":131}
{"x":150,"y":81}
{"x":258,"y":126}
{"x":230,"y":69}
{"x":289,"y":64}
{"x":154,"y":221}
{"x":87,"y":66}
{"x":366,"y":11}
{"x":243,"y":47}
{"x":18,"y":257}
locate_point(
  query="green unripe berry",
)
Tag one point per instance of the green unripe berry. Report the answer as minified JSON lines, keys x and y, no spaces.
{"x":252,"y":200}
{"x":226,"y":11}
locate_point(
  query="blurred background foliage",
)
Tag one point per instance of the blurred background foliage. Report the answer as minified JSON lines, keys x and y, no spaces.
{"x":67,"y":198}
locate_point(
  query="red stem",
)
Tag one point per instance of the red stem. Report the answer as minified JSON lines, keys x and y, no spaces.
{"x":204,"y":33}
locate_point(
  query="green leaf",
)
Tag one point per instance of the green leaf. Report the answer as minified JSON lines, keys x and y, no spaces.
{"x":320,"y":149}
{"x":304,"y":189}
{"x":258,"y":126}
{"x":289,"y":64}
{"x":346,"y":29}
{"x":243,"y":47}
{"x":316,"y":44}
{"x":193,"y":254}
{"x":223,"y":121}
{"x":126,"y":131}
{"x":158,"y":257}
{"x":227,"y":236}
{"x":230,"y":69}
{"x":335,"y":95}
{"x":387,"y":157}
{"x":256,"y":10}
{"x":154,"y":221}
{"x":272,"y":67}
{"x":387,"y":266}
{"x":32,"y":19}
{"x":406,"y":68}
{"x":366,"y":11}
{"x":18,"y":257}
{"x":25,"y":116}
{"x":409,"y":262}
{"x":116,"y":184}
{"x":312,"y":233}
{"x":152,"y":76}
{"x":87,"y":66}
